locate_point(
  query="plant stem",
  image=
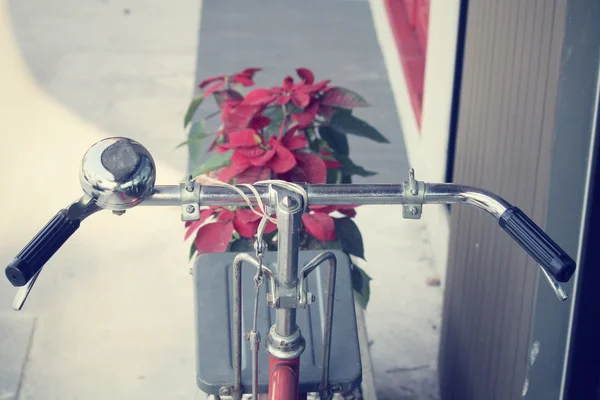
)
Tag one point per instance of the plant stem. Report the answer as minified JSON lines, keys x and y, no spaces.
{"x":284,"y":111}
{"x":311,"y":135}
{"x":209,"y":116}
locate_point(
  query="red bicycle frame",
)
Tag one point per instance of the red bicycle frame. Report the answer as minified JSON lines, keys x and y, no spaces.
{"x":283,"y":378}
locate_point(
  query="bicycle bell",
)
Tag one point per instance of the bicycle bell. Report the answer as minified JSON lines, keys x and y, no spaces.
{"x":118,"y":173}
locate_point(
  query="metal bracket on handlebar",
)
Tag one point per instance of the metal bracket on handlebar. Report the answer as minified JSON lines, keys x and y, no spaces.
{"x":190,"y":200}
{"x":414,"y":192}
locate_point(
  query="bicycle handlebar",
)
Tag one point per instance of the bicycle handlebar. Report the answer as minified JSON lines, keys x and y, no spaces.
{"x":537,"y":244}
{"x":105,"y":190}
{"x":514,"y":221}
{"x":522,"y":229}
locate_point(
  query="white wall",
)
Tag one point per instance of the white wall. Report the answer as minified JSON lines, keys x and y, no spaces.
{"x":427,"y":151}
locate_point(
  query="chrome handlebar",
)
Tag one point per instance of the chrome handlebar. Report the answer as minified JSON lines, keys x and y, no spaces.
{"x":340,"y":194}
{"x":119,"y":173}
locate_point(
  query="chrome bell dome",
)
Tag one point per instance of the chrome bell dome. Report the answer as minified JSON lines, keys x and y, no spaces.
{"x":118,"y":173}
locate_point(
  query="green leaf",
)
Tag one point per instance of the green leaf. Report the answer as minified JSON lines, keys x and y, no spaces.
{"x":215,"y":162}
{"x":196,"y":134}
{"x":333,"y":245}
{"x":334,"y":175}
{"x":314,"y":146}
{"x":314,"y":244}
{"x":360,"y":284}
{"x":192,"y":251}
{"x":242,"y":245}
{"x":329,"y":111}
{"x":268,"y":237}
{"x":343,"y":98}
{"x":195,"y":146}
{"x":349,"y":235}
{"x":348,"y":124}
{"x":196,"y":101}
{"x":221,"y":95}
{"x":349,"y":168}
{"x":275,"y":114}
{"x":193,"y":139}
{"x":294,"y":109}
{"x":336,"y":141}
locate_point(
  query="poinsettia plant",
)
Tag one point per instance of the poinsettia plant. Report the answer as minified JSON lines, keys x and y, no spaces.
{"x":295,"y":132}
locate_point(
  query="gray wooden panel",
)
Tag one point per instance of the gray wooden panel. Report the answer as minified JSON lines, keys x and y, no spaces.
{"x":508,"y":97}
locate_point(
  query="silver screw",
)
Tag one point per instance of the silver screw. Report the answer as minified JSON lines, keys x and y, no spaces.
{"x":118,"y":212}
{"x":313,"y":298}
{"x":190,"y":184}
{"x":413,"y":192}
{"x":190,"y":208}
{"x":413,"y":210}
{"x":224,"y":391}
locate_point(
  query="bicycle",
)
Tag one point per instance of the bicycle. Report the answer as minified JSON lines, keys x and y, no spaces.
{"x":119,"y":173}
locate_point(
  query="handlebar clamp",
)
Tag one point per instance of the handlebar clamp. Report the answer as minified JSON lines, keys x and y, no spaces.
{"x":414,"y":195}
{"x":190,"y":200}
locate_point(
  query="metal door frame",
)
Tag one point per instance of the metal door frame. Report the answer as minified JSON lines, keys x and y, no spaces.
{"x":555,"y":362}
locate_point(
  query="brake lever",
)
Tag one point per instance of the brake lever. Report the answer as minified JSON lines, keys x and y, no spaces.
{"x":559,"y":291}
{"x":23,"y":293}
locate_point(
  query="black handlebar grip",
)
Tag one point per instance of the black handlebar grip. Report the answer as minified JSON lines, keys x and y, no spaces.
{"x":43,"y":246}
{"x":539,"y":245}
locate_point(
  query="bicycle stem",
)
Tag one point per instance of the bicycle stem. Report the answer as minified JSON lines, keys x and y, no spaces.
{"x":284,"y":341}
{"x":289,"y":210}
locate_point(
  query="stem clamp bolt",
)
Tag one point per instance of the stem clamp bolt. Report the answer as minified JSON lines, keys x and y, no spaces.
{"x":289,"y":202}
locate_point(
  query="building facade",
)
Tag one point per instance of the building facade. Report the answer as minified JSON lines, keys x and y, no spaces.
{"x":504,"y":96}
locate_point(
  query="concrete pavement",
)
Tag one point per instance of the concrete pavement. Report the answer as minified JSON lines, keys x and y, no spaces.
{"x":113,"y":309}
{"x":111,"y":316}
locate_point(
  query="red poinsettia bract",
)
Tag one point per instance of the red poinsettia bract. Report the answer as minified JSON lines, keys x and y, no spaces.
{"x":320,"y":225}
{"x":244,"y":78}
{"x":214,"y":236}
{"x":267,"y":133}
